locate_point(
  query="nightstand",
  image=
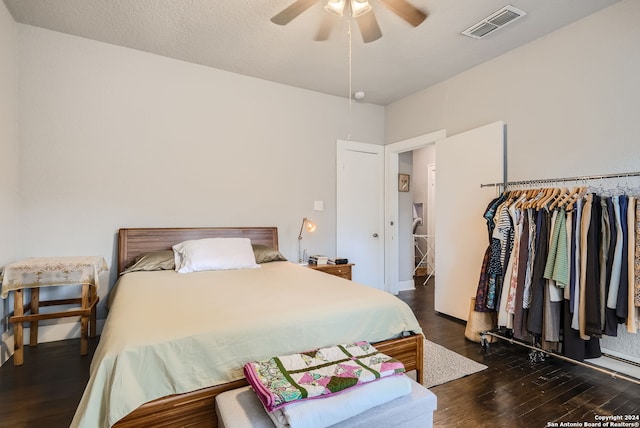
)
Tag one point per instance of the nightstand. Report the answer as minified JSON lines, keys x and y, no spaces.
{"x":343,"y":271}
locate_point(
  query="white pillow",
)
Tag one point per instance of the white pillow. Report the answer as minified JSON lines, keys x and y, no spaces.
{"x":214,"y":254}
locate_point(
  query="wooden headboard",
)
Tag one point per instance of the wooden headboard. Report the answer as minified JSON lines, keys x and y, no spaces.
{"x":136,"y":241}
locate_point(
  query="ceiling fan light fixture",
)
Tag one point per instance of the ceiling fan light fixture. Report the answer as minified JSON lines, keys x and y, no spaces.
{"x":335,"y":6}
{"x":360,"y":10}
{"x":360,"y":7}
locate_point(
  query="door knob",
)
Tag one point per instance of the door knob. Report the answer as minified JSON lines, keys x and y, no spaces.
{"x":375,"y":235}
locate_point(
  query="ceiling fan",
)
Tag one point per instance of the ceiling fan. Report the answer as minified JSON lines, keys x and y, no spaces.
{"x":361,"y":10}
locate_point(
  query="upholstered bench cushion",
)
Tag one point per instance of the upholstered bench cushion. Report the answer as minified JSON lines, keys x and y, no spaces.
{"x":240,"y":408}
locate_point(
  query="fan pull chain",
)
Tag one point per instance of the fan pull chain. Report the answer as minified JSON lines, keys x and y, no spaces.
{"x":350,"y":75}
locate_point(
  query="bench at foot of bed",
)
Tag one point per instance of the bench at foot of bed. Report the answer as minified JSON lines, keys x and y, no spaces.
{"x":240,"y":408}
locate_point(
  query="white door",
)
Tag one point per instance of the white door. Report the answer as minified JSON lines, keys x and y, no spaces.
{"x":465,"y":161}
{"x":360,"y":210}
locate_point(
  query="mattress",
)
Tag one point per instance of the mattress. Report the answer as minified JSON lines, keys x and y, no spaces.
{"x":170,"y":333}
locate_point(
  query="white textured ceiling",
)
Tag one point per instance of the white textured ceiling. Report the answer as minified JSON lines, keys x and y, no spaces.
{"x":238,"y":36}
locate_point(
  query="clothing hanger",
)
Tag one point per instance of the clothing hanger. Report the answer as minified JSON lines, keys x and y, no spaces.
{"x":568,"y":197}
{"x":633,"y":190}
{"x":536,"y":194}
{"x":560,"y":195}
{"x":521,"y":199}
{"x":622,"y":189}
{"x":573,"y":198}
{"x":548,"y":194}
{"x":537,"y":204}
{"x":554,"y":194}
{"x":512,"y":195}
{"x":528,"y":194}
{"x":581,"y":192}
{"x":600,"y":190}
{"x":517,"y":203}
{"x":542,"y":195}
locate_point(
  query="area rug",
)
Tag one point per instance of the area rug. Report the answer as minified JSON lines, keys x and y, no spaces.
{"x":442,"y":365}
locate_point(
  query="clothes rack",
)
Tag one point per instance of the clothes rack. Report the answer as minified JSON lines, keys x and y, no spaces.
{"x":564,"y":179}
{"x":537,"y":353}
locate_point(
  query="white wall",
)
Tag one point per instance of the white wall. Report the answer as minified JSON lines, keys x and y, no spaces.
{"x":569,"y":99}
{"x":570,"y":102}
{"x":8,"y":136}
{"x":113,"y":137}
{"x":8,"y":152}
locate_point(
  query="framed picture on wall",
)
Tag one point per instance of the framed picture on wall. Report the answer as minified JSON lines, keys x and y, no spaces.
{"x":403,"y":182}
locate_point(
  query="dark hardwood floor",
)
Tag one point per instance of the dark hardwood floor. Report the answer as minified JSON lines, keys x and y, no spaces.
{"x":46,"y":389}
{"x":512,"y":392}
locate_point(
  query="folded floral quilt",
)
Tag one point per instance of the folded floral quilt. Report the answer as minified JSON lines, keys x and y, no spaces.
{"x":318,"y":373}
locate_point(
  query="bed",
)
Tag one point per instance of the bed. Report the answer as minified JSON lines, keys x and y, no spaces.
{"x":168,"y":348}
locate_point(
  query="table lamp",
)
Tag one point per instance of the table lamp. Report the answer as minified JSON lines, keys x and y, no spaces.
{"x":309,"y":226}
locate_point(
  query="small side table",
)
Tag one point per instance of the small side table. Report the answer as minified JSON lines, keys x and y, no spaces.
{"x":34,"y":273}
{"x":343,"y":271}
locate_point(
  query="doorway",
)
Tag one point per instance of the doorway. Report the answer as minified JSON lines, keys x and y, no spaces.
{"x":398,"y":220}
{"x":422,"y":244}
{"x":464,"y":161}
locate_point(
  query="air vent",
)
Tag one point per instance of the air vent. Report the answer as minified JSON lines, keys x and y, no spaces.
{"x":496,"y":20}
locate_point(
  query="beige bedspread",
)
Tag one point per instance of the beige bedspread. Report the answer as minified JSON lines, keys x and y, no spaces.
{"x":169,"y":333}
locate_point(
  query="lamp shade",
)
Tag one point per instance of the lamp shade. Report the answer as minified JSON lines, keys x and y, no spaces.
{"x":310,"y":226}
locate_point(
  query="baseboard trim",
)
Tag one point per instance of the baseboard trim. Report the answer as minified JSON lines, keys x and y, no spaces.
{"x":406,"y":285}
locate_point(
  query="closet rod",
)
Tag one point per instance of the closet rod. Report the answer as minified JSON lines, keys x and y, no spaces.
{"x":554,"y":180}
{"x":611,"y":373}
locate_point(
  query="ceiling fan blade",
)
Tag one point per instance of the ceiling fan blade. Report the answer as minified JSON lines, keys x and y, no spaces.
{"x":326,"y":26}
{"x":369,"y":27}
{"x":406,"y":11}
{"x":291,"y":12}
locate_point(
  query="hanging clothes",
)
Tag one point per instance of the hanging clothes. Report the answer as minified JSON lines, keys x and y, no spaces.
{"x":631,"y":309}
{"x":491,"y":268}
{"x":552,"y":298}
{"x":613,"y":265}
{"x":505,"y":316}
{"x":574,"y":346}
{"x":526,"y":294}
{"x":504,"y":233}
{"x":577,"y":285}
{"x":621,"y":306}
{"x":519,"y":312}
{"x":592,"y":297}
{"x":562,"y":268}
{"x":557,"y":267}
{"x":605,"y":243}
{"x":535,"y":315}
